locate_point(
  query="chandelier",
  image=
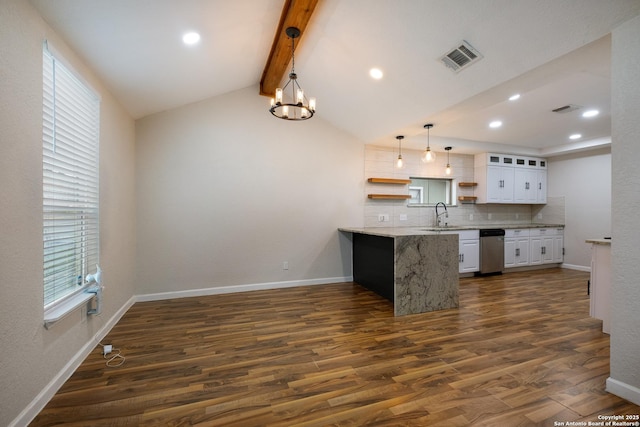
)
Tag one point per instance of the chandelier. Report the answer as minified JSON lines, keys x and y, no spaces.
{"x":297,"y":107}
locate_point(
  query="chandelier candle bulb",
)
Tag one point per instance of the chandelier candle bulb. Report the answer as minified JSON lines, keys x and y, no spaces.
{"x":300,"y":97}
{"x":285,"y":111}
{"x":312,"y":104}
{"x":279,"y":96}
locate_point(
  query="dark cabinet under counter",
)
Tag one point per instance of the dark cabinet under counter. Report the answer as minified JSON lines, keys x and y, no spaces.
{"x":417,"y":272}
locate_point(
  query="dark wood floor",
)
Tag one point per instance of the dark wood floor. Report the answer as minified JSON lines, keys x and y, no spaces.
{"x":521,"y":350}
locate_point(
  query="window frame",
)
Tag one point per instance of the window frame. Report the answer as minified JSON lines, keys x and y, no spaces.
{"x":422,"y":182}
{"x":71,"y":184}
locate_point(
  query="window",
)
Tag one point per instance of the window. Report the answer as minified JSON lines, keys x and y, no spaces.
{"x":429,"y":191}
{"x":71,"y":122}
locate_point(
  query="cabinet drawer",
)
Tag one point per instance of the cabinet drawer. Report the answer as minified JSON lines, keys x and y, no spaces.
{"x":516,"y":232}
{"x":546,"y":232}
{"x":464,"y":234}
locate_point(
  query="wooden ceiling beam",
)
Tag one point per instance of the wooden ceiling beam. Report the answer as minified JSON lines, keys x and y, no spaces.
{"x":295,"y":13}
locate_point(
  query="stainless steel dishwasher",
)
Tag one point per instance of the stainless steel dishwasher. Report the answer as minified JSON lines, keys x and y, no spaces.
{"x":491,"y":251}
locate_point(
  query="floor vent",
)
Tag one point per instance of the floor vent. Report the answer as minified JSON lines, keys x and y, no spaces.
{"x":567,"y":108}
{"x":461,"y":57}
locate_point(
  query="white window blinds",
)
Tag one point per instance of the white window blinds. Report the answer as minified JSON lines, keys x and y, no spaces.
{"x":71,"y":122}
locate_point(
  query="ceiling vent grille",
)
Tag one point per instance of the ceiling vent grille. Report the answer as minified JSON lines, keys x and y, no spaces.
{"x":567,"y":108}
{"x":461,"y":57}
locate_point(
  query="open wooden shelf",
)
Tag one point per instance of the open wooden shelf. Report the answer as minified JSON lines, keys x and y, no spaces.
{"x":467,"y":184}
{"x":389,"y":181}
{"x":390,"y":196}
{"x":467,"y":199}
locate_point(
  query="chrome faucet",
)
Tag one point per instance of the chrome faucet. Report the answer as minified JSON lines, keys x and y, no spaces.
{"x":438,"y":215}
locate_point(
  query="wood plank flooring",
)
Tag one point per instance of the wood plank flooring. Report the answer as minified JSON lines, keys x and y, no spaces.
{"x":521,"y":350}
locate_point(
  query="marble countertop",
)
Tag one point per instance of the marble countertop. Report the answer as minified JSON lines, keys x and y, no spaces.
{"x":425,"y":231}
{"x":599,"y":241}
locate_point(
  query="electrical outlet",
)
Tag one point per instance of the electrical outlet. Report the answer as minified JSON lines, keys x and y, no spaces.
{"x":540,"y":215}
{"x":403,"y":217}
{"x":383,"y":217}
{"x":489,"y":216}
{"x":285,"y":265}
{"x":470,"y":217}
{"x":517,"y":216}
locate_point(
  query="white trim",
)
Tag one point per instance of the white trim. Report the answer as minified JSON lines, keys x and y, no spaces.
{"x":240,"y":288}
{"x":67,"y":306}
{"x":576,"y":267}
{"x":32,"y":410}
{"x":623,"y":390}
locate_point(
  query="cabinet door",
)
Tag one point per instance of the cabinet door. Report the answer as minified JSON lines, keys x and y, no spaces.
{"x":541,"y":196}
{"x":508,"y":182}
{"x":526,"y":183}
{"x":522,"y":246}
{"x":558,"y":248}
{"x":509,"y":253}
{"x":536,"y":251}
{"x":469,"y":256}
{"x":494,"y":184}
{"x":547,"y":249}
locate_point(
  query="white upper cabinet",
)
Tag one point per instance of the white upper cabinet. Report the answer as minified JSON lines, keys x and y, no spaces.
{"x":504,"y":178}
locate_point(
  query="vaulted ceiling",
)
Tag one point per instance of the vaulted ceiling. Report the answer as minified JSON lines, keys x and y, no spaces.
{"x":553,"y":53}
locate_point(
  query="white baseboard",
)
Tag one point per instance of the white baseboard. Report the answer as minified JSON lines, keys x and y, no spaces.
{"x":623,"y":390}
{"x":240,"y":288}
{"x":576,"y":267}
{"x":33,"y":409}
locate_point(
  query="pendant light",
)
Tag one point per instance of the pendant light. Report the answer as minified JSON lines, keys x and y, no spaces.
{"x":297,"y":108}
{"x":428,"y":156}
{"x":399,"y":162}
{"x":448,"y":169}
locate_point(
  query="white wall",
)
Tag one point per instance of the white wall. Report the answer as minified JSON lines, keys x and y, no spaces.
{"x":584,"y":181}
{"x":32,"y":357}
{"x":625,"y":296}
{"x":227,"y":193}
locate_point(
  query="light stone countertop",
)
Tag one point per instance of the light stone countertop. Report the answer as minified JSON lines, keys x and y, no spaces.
{"x":599,"y":241}
{"x":425,"y":231}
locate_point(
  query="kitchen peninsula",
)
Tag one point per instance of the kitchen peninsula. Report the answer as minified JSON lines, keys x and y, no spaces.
{"x":415,"y":269}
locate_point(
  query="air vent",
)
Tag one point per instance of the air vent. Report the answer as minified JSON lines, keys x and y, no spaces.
{"x":461,"y":57}
{"x":567,"y":108}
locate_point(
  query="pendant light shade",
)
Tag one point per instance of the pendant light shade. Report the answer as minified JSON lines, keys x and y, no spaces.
{"x":399,"y":161}
{"x":448,"y":169}
{"x":297,"y":107}
{"x":428,"y":156}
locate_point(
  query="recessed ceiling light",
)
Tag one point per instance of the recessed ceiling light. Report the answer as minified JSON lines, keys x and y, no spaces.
{"x":514,"y":97}
{"x":495,"y":124}
{"x":376,"y":73}
{"x":191,"y":38}
{"x":590,"y":113}
{"x":575,"y":136}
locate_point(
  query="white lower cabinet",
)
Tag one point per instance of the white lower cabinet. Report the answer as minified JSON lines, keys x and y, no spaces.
{"x":547,"y":245}
{"x":516,"y":247}
{"x":535,"y":246}
{"x":468,"y":250}
{"x":469,"y":255}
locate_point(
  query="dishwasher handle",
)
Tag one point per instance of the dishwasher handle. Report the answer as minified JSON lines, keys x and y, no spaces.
{"x":492,"y":232}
